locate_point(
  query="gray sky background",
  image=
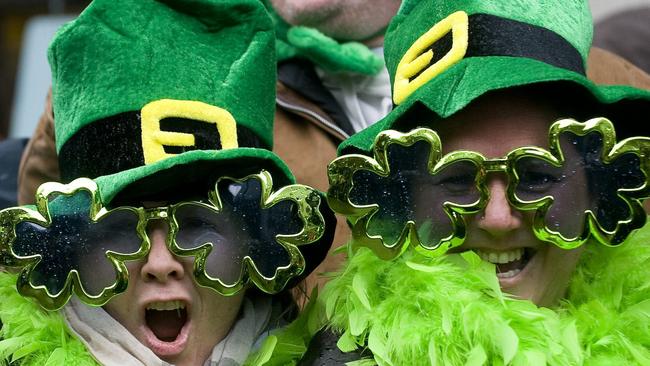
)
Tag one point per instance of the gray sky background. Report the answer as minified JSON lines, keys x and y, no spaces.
{"x":603,"y":8}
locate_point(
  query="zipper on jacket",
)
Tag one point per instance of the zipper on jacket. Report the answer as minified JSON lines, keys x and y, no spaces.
{"x":314,"y":117}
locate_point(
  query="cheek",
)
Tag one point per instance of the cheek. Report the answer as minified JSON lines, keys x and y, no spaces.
{"x":564,"y":260}
{"x":220,"y":307}
{"x":559,"y":268}
{"x":121,"y":307}
{"x":218,"y":313}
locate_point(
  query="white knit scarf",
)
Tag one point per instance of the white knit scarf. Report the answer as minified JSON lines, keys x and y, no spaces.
{"x":112,"y":345}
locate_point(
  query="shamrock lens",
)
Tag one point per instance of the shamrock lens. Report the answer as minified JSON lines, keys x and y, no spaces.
{"x":583,"y":182}
{"x":239,"y":229}
{"x":74,"y":242}
{"x":412,"y":193}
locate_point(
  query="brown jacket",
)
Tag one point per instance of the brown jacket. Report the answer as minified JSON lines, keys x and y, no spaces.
{"x":305,"y":138}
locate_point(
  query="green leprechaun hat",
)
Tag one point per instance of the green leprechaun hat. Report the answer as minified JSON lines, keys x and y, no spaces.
{"x":444,"y":54}
{"x":154,"y":92}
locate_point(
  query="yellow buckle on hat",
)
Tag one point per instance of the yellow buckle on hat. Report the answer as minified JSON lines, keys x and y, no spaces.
{"x":154,"y":139}
{"x":415,"y":60}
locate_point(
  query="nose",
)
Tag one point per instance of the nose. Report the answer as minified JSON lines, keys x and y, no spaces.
{"x":160,"y":265}
{"x":499,"y":217}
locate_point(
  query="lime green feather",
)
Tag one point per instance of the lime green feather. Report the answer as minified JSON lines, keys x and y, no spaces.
{"x":451,"y":311}
{"x":32,"y":336}
{"x":424,"y":311}
{"x":287,"y":346}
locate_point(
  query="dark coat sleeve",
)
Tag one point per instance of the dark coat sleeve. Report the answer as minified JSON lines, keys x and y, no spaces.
{"x":322,"y":351}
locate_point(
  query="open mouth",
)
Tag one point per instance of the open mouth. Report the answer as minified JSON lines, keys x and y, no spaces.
{"x":166,"y":319}
{"x":509,"y":263}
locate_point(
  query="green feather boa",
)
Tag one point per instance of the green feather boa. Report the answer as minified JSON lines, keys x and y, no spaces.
{"x":32,"y":336}
{"x":451,"y":311}
{"x":421,"y":311}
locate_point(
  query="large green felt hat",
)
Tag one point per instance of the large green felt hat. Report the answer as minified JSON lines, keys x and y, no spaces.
{"x":444,"y":54}
{"x":164,"y":93}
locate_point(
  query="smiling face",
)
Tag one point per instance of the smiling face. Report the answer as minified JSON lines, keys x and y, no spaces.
{"x":355,"y":20}
{"x":495,"y":125}
{"x":167,"y":311}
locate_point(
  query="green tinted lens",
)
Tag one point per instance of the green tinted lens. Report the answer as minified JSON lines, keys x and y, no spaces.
{"x":71,"y":245}
{"x":587,"y":184}
{"x":236,"y":233}
{"x":410,"y":193}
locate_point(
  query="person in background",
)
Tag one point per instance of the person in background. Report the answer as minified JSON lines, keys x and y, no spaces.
{"x":626,"y":34}
{"x":10,"y":153}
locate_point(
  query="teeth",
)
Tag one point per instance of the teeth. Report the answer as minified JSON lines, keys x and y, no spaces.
{"x":501,"y":257}
{"x":508,"y":274}
{"x":166,"y":305}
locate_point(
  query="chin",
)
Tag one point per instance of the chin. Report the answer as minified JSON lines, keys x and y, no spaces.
{"x":305,"y":12}
{"x":539,"y":273}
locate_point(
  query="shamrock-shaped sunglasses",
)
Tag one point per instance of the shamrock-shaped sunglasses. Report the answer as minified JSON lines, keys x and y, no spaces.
{"x":410,"y":194}
{"x":242,"y":233}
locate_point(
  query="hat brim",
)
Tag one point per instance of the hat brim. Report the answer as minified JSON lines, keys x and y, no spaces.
{"x":472,"y":77}
{"x":184,"y":174}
